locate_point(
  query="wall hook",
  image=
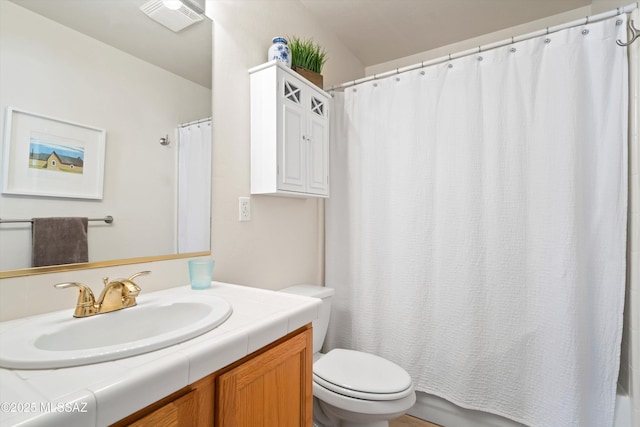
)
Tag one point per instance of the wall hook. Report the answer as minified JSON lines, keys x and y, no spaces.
{"x":165,"y":140}
{"x":635,"y":33}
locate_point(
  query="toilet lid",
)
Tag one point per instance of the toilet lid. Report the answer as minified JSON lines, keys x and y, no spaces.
{"x":356,"y":373}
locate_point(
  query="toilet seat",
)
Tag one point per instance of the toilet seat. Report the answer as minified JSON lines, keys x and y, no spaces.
{"x":362,"y":376}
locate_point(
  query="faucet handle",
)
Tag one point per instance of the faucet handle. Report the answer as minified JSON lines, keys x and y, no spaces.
{"x":86,"y":301}
{"x":86,"y":295}
{"x":140,"y":273}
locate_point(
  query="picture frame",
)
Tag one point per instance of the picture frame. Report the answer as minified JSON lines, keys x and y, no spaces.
{"x":51,"y":157}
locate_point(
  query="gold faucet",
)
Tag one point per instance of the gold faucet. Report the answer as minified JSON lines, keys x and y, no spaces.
{"x":116,"y":295}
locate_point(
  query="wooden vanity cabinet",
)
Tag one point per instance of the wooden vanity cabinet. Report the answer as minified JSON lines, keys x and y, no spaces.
{"x":271,"y":387}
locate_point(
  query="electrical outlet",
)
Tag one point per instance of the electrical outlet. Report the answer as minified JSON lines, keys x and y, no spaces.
{"x":245,"y":209}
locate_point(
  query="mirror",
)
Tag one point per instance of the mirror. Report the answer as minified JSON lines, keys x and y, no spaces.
{"x":105,"y":64}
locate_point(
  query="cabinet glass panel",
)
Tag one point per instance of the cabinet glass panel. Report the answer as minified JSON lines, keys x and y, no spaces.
{"x":317,"y":106}
{"x":292,"y":92}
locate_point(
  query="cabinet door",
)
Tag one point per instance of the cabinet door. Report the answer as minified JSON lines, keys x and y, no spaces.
{"x":291,"y":149}
{"x":272,"y":389}
{"x":192,"y":406}
{"x":174,"y":414}
{"x":317,"y":139}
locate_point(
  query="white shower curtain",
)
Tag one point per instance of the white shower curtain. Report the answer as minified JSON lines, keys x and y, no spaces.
{"x":194,"y":187}
{"x":476,"y":228}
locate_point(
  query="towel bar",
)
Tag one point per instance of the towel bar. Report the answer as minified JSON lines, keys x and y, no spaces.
{"x":108,"y":219}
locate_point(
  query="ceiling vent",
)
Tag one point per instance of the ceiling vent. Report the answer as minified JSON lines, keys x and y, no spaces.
{"x":175,"y":20}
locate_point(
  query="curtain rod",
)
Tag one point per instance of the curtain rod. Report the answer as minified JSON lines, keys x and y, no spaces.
{"x":195,"y":122}
{"x":108,"y":219}
{"x":490,"y":46}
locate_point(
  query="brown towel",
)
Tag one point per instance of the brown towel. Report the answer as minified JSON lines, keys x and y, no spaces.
{"x":59,"y":241}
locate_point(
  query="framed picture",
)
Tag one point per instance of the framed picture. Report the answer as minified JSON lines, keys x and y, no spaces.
{"x":45,"y":156}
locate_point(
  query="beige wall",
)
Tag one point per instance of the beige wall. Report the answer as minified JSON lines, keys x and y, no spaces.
{"x":283,"y":243}
{"x":598,"y":6}
{"x":481,"y":40}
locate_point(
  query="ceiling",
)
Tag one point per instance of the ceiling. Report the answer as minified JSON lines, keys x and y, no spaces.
{"x":375,"y":31}
{"x":378,"y":31}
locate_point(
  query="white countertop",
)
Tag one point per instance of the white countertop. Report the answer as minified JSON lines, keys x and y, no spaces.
{"x":103,"y":393}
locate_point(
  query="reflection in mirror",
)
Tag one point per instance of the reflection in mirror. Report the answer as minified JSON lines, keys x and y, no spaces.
{"x":105,"y":64}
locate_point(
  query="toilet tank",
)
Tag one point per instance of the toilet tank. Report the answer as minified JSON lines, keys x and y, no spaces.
{"x":319,"y":325}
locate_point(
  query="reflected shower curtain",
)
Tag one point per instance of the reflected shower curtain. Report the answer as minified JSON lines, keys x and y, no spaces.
{"x":194,"y":187}
{"x":476,"y":228}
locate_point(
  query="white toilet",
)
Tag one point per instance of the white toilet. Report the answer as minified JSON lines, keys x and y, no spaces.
{"x":352,"y":388}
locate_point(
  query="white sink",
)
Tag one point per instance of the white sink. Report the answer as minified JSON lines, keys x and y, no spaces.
{"x":58,"y":340}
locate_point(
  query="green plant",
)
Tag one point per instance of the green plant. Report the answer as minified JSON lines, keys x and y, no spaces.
{"x":306,"y":54}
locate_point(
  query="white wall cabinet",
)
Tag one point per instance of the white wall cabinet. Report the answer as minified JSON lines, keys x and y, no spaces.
{"x":289,"y":134}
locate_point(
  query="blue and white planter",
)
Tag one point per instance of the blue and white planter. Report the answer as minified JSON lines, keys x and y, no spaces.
{"x":279,"y":51}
